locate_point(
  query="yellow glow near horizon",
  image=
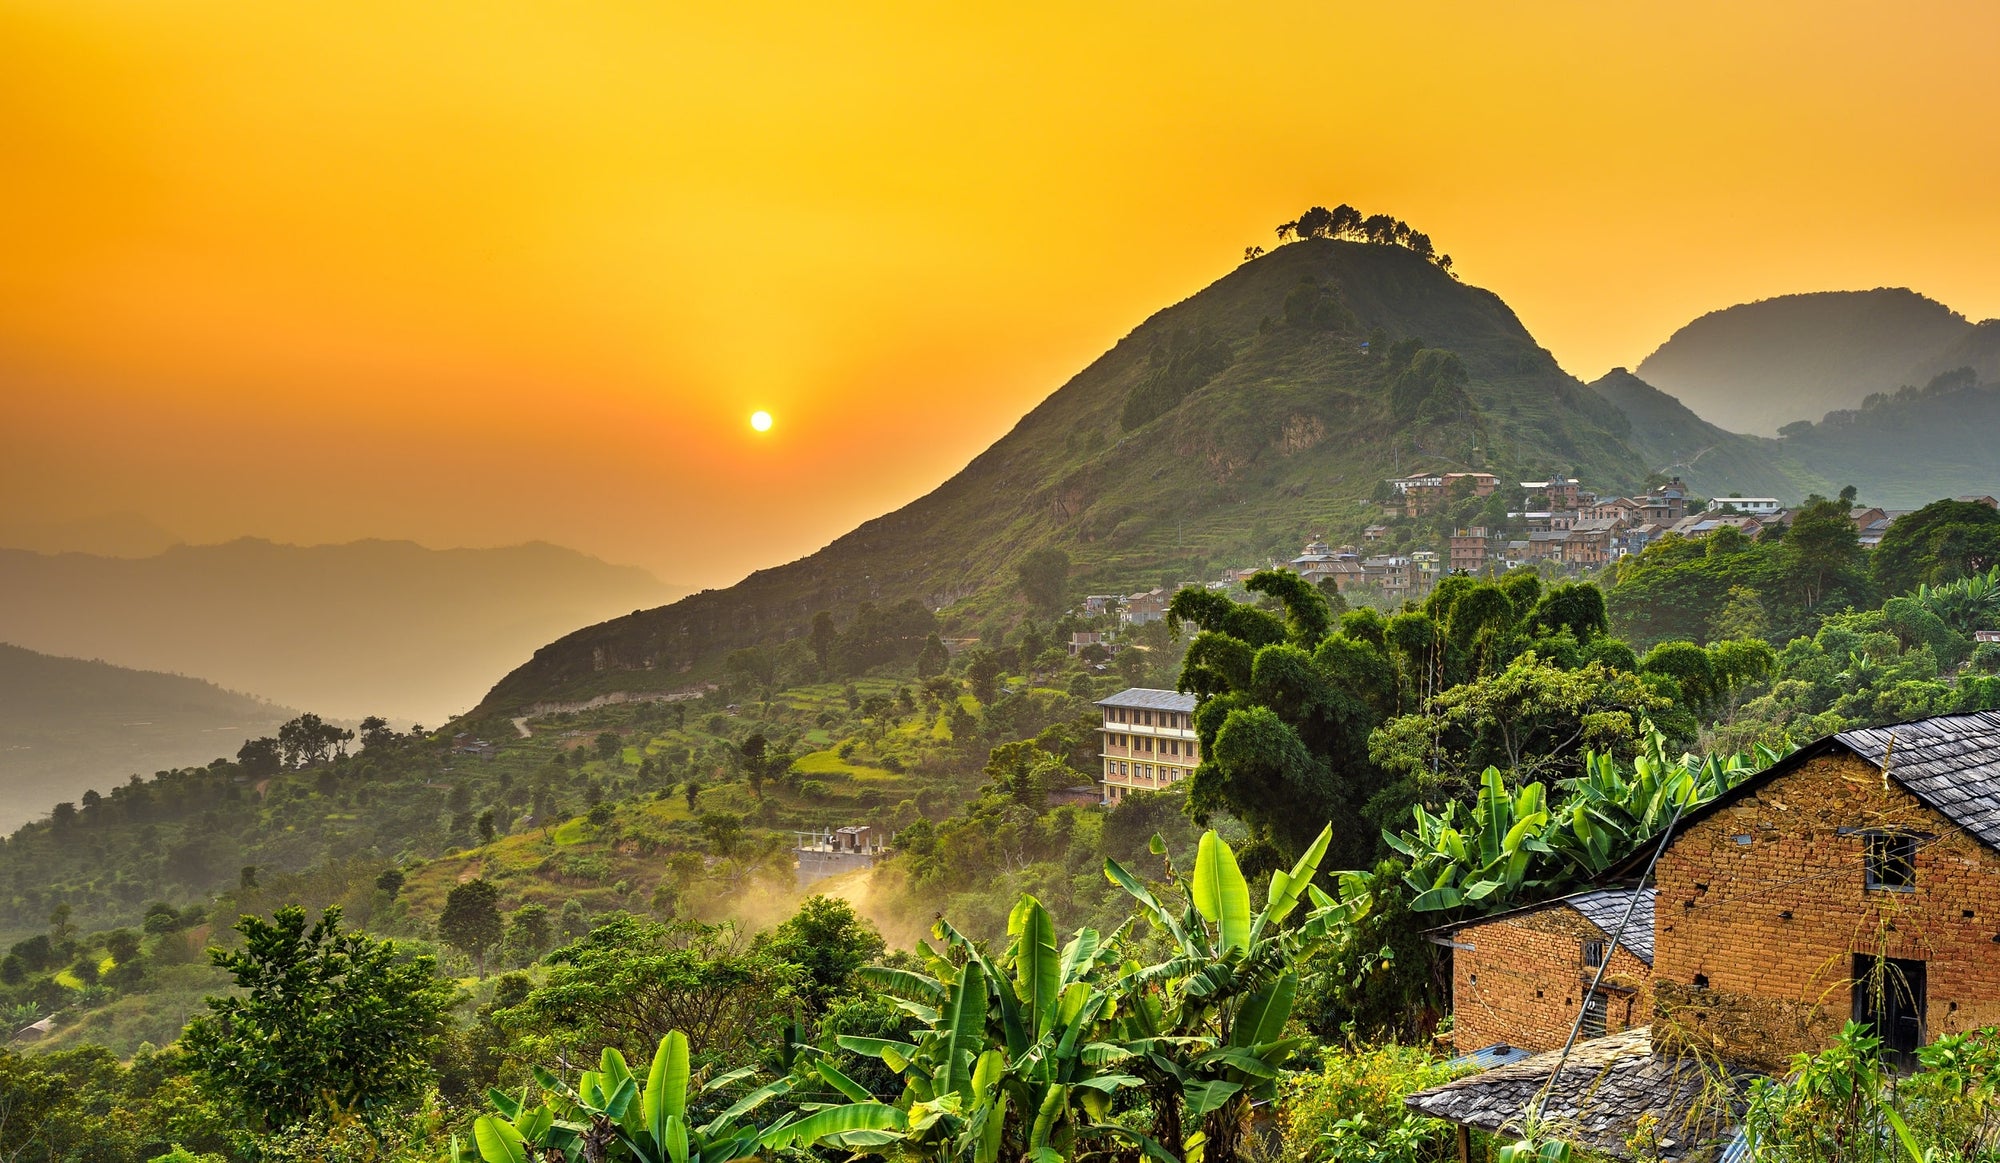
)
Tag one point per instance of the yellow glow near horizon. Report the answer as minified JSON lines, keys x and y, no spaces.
{"x":383,"y":259}
{"x":761,"y":421}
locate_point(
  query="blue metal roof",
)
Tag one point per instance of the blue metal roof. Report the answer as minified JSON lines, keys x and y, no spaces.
{"x":1147,"y":698}
{"x":1498,"y":1054}
{"x":1738,"y":1148}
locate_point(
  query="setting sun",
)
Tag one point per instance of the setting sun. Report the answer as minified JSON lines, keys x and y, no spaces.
{"x":761,"y":421}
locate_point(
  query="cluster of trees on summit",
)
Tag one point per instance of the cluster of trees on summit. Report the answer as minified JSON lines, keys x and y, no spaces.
{"x":1345,"y":222}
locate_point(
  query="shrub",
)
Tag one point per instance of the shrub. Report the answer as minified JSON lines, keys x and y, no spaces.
{"x":1352,"y":1110}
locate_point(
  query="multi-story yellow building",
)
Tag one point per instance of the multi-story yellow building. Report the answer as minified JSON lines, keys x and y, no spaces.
{"x":1148,"y":741}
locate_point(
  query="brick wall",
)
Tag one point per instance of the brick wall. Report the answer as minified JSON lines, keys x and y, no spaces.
{"x":1522,"y":981}
{"x":1777,"y":985}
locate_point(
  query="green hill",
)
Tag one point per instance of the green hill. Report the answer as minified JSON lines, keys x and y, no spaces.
{"x":67,"y":725}
{"x":1755,"y":366}
{"x":1264,"y":408}
{"x":1713,"y":462}
{"x":1906,"y":448}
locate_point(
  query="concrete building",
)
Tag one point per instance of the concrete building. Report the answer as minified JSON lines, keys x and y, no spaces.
{"x":830,"y":852}
{"x":1147,"y":741}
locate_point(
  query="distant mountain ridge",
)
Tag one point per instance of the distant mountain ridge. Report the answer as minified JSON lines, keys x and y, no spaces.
{"x":1756,"y":366}
{"x":1712,"y":460}
{"x":1263,"y":402}
{"x":369,"y":627}
{"x":67,"y":725}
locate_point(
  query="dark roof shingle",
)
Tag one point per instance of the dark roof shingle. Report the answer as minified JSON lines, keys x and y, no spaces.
{"x":1951,"y":762}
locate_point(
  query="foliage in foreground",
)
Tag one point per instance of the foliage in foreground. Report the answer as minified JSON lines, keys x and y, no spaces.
{"x":1842,"y":1105}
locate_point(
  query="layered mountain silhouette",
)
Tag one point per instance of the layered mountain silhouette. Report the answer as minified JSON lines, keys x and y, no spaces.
{"x":1713,"y":461}
{"x":1756,"y":366}
{"x":67,"y":725}
{"x":1266,"y":407}
{"x":371,"y":627}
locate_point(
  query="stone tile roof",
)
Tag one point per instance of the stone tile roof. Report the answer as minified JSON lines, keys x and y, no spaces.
{"x":1606,"y":907}
{"x":1951,"y":762}
{"x":1604,"y":1088}
{"x":1147,"y":699}
{"x":1603,"y":907}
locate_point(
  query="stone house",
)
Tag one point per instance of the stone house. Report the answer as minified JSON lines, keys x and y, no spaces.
{"x":1519,"y":978}
{"x":1858,"y":878}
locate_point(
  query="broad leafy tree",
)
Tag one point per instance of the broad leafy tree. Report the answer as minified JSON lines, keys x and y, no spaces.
{"x":324,"y":1023}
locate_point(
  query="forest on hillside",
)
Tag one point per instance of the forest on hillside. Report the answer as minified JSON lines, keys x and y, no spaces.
{"x":374,"y":944}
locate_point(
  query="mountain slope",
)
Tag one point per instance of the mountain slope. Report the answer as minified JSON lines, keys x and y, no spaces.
{"x":1266,"y":412}
{"x":1908,"y":448}
{"x":1712,"y":461}
{"x":1755,"y":366}
{"x":371,"y":627}
{"x":67,"y":725}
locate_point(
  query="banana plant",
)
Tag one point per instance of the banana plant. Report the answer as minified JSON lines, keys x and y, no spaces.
{"x":1009,"y":1059}
{"x":611,"y":1114}
{"x":1511,"y":842}
{"x":1025,"y":1055}
{"x":1210,"y":1017}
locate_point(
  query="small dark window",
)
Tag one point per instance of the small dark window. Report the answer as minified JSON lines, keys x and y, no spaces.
{"x":1891,"y":861}
{"x":1593,"y":954}
{"x":1596,"y":1011}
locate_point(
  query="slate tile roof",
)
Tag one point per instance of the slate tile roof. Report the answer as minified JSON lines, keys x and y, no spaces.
{"x":1598,"y":1097}
{"x":1147,"y":699}
{"x":1606,"y":907}
{"x":1951,"y":762}
{"x":1603,"y":907}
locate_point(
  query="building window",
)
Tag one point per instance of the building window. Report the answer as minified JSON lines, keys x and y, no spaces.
{"x":1891,"y":861}
{"x":1593,"y":954}
{"x":1596,"y":1014}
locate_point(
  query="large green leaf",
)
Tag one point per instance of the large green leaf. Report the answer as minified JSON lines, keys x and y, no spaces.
{"x":498,"y":1141}
{"x":1116,"y":874}
{"x":1265,"y":1012}
{"x":1220,"y":893}
{"x":1203,"y":1097}
{"x":835,"y":1120}
{"x":841,"y":1082}
{"x":902,"y":983}
{"x":666,"y":1084}
{"x":965,"y":1026}
{"x":1037,"y":972}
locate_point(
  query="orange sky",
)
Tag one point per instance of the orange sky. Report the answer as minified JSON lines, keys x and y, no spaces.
{"x":473,"y":273}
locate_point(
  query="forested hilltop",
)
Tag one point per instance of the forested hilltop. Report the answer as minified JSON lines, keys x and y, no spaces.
{"x":509,"y":904}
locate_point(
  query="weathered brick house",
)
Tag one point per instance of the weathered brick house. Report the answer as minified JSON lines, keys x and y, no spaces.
{"x":1519,"y":977}
{"x":1857,"y":878}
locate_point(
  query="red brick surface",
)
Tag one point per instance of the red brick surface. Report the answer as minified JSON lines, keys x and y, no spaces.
{"x":1522,"y":981}
{"x":1778,"y":984}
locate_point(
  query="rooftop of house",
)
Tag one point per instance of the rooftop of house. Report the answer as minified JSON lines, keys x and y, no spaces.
{"x":1602,"y":907}
{"x":1148,"y":699}
{"x":1598,"y":1095}
{"x":1951,"y":762}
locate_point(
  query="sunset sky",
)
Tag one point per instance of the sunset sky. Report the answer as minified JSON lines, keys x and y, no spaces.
{"x":474,"y":273}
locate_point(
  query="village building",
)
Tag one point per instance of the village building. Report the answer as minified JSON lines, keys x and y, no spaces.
{"x":1749,"y":506}
{"x":1425,"y":494}
{"x":1472,"y":550}
{"x":1519,"y":978}
{"x":824,"y":852}
{"x":1664,"y":504}
{"x":1142,"y":608}
{"x":1856,"y":879}
{"x":1319,"y":561}
{"x":1556,"y":492}
{"x":1397,"y":577}
{"x":1147,"y":741}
